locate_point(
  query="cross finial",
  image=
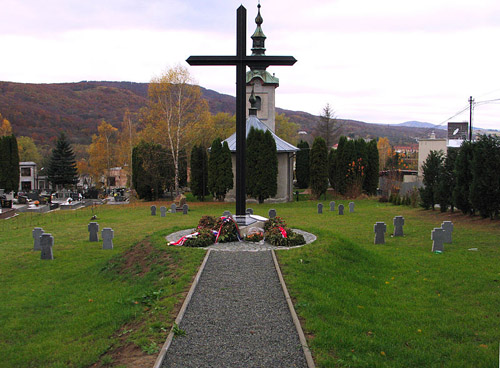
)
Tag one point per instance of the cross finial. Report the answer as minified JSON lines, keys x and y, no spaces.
{"x":258,"y":36}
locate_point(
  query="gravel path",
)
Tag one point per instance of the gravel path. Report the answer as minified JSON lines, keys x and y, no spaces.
{"x":237,"y":317}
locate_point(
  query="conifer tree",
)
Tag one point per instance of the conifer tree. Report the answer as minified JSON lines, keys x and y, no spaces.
{"x":9,"y":163}
{"x":199,"y":172}
{"x":332,"y":168}
{"x":262,"y":165}
{"x":318,"y":169}
{"x":370,"y":184}
{"x":463,"y":177}
{"x":431,"y":171}
{"x":220,"y":170}
{"x":302,"y":165}
{"x":485,"y":186}
{"x":446,"y":184}
{"x":62,"y":164}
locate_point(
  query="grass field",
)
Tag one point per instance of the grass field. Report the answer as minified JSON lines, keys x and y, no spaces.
{"x":362,"y":305}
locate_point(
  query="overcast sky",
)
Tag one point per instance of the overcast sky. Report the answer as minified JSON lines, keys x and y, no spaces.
{"x":385,"y":61}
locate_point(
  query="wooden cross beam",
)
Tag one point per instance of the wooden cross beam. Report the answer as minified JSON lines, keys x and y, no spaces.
{"x":241,"y":61}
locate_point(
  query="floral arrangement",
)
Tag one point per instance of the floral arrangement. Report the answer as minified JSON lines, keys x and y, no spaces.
{"x":278,"y":234}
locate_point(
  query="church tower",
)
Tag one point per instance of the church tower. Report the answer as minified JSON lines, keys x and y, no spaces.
{"x":263,"y":84}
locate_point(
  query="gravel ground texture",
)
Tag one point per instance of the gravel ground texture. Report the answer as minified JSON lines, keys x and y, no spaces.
{"x":237,"y":317}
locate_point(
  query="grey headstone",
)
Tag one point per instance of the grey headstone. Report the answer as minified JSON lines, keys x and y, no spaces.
{"x":107,"y":238}
{"x":46,"y":242}
{"x":163,"y":211}
{"x":173,"y":208}
{"x":332,"y":206}
{"x":93,"y":231}
{"x":272,"y":213}
{"x":185,"y":209}
{"x":437,"y":237}
{"x":226,"y":214}
{"x":398,"y":222}
{"x":351,"y":207}
{"x":341,"y":209}
{"x":249,"y":211}
{"x":153,"y":210}
{"x":37,"y":233}
{"x":380,"y":228}
{"x":447,"y":226}
{"x":320,"y":207}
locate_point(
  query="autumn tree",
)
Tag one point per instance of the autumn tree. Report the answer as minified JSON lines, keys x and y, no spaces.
{"x":384,"y":152}
{"x":62,"y":165}
{"x":286,"y":130}
{"x":5,"y":127}
{"x":9,"y":163}
{"x":28,"y":151}
{"x":328,"y":126}
{"x":101,"y":151}
{"x":125,"y":142}
{"x":175,"y":105}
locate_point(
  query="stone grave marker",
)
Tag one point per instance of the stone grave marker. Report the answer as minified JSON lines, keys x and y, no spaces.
{"x":341,"y":209}
{"x":320,"y":207}
{"x":447,"y":226}
{"x":437,"y":237}
{"x":398,"y":222}
{"x":226,"y":214}
{"x":185,"y":209}
{"x":380,"y":228}
{"x":332,"y":206}
{"x":107,"y":238}
{"x":351,"y":207}
{"x":163,"y":211}
{"x":272,"y":213}
{"x":173,"y":208}
{"x":153,"y":210}
{"x":37,"y":233}
{"x":46,"y":243}
{"x":249,"y":211}
{"x":93,"y":231}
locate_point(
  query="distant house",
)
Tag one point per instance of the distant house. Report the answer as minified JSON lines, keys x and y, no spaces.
{"x":28,"y":176}
{"x":425,"y":146}
{"x":117,"y":177}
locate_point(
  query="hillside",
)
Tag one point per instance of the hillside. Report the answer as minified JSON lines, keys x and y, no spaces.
{"x":43,"y":110}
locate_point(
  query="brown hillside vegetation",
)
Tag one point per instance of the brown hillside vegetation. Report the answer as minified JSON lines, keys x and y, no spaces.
{"x":42,"y":111}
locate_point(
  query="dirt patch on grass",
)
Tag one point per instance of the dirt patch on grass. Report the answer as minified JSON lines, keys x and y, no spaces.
{"x":139,"y":258}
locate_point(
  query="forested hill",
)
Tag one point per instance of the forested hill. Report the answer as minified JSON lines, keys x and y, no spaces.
{"x":43,"y":110}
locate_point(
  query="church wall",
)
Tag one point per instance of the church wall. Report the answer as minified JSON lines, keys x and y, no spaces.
{"x":285,"y":170}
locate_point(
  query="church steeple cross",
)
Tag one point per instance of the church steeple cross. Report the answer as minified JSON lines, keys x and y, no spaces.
{"x":241,"y":60}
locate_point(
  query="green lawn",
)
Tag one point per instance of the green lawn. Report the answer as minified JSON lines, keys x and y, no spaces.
{"x":362,"y":305}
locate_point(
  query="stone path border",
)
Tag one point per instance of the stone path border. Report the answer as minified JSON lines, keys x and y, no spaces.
{"x":243,"y":246}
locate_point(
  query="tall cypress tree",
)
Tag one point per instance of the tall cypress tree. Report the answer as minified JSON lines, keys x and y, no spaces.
{"x":302,"y":165}
{"x":199,"y":172}
{"x":318,"y":169}
{"x":485,"y":186}
{"x":262,"y":165}
{"x":446,"y":184}
{"x":370,"y":184}
{"x":431,"y":171}
{"x":62,"y":165}
{"x":220,"y":170}
{"x":9,"y":163}
{"x":463,"y":177}
{"x":332,"y":168}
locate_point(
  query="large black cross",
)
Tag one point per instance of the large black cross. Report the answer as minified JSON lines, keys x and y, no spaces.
{"x":241,"y":60}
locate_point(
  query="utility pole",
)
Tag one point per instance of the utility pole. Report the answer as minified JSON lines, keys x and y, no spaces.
{"x":471,"y":106}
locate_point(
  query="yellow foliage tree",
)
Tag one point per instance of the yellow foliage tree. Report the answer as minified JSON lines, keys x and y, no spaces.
{"x":101,"y":151}
{"x":126,"y":140}
{"x":28,"y":151}
{"x":175,"y":107}
{"x":287,"y":130}
{"x":5,"y":127}
{"x":384,"y":151}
